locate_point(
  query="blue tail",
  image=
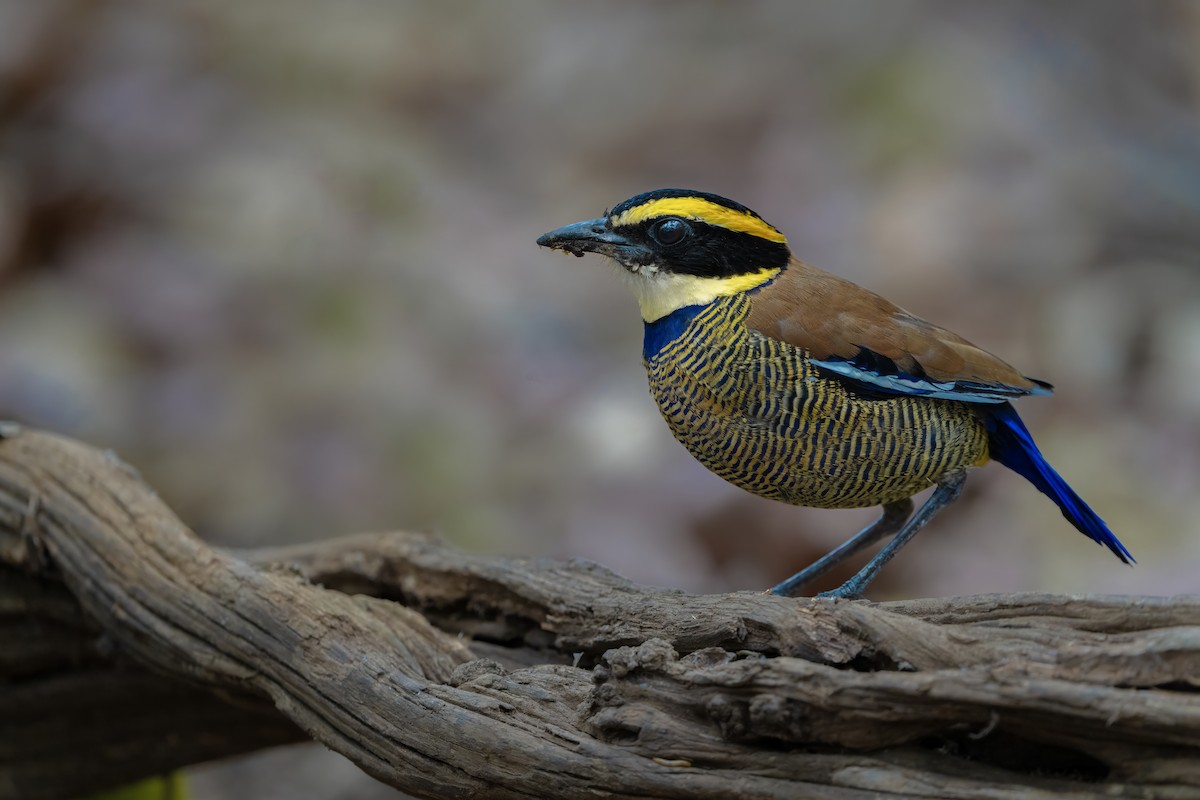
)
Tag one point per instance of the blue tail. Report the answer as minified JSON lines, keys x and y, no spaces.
{"x":1009,"y":443}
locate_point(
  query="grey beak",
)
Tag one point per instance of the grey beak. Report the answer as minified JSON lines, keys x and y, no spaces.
{"x":590,"y":236}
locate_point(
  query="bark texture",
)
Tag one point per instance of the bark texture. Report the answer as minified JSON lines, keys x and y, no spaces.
{"x":129,"y":647}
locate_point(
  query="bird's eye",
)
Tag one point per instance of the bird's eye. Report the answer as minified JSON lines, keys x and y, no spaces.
{"x":669,"y":231}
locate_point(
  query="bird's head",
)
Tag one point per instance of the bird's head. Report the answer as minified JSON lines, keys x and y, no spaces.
{"x":680,"y":247}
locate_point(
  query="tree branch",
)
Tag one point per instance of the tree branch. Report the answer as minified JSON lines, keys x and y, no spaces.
{"x":447,"y":674}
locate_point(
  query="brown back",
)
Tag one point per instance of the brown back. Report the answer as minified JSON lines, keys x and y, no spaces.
{"x":833,"y":318}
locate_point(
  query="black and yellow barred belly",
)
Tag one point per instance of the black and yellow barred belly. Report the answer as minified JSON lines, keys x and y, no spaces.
{"x":757,"y":413}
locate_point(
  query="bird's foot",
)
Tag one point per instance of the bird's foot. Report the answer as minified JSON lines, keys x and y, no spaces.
{"x":844,"y":592}
{"x":840,"y":593}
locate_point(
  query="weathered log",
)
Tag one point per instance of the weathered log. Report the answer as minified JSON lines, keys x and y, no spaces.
{"x":129,"y":647}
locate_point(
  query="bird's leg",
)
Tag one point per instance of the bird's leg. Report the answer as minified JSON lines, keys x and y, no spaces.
{"x":947,"y":490}
{"x":894,"y":515}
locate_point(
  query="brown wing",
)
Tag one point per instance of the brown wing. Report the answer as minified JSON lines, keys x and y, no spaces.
{"x":858,"y":334}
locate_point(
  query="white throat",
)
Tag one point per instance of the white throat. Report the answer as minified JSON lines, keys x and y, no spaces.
{"x":659,"y":293}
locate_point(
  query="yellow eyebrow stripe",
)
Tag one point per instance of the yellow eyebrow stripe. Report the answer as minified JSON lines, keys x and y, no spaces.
{"x":703,"y":211}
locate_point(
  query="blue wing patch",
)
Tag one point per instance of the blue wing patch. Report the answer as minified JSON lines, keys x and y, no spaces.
{"x":879,"y":373}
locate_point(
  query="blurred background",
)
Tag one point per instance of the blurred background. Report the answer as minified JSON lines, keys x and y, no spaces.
{"x":279,"y":256}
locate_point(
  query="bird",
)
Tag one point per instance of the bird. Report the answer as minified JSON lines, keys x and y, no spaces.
{"x":803,"y":387}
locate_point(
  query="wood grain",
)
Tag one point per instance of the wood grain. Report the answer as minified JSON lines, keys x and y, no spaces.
{"x":132,"y":647}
